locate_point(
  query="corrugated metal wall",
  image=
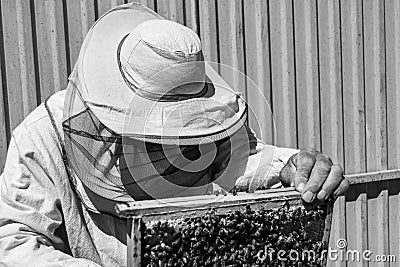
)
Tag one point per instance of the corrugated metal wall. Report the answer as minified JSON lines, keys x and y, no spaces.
{"x":330,"y":69}
{"x":367,"y":218}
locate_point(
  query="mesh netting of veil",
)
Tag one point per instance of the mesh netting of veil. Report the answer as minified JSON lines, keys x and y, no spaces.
{"x":94,"y":154}
{"x":92,"y":149}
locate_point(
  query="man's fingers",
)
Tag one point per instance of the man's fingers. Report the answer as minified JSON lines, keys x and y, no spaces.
{"x":342,"y":188}
{"x":314,"y":175}
{"x":305,"y":161}
{"x":335,"y":177}
{"x":319,"y":175}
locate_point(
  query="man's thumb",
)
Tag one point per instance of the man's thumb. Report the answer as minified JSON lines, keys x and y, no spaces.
{"x":288,"y":172}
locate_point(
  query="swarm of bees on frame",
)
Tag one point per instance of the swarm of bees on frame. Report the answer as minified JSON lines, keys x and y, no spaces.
{"x":287,"y":236}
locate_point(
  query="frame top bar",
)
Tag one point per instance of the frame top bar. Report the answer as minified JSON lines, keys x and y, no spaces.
{"x":194,"y":206}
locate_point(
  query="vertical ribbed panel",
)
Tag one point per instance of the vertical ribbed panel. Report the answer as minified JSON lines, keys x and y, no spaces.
{"x":394,"y":220}
{"x":19,"y":60}
{"x":283,"y":81}
{"x":330,"y":69}
{"x":51,"y":50}
{"x":307,"y":87}
{"x":81,"y":16}
{"x":330,"y":77}
{"x":209,"y":29}
{"x":353,"y":86}
{"x":361,"y":222}
{"x":3,"y":126}
{"x":230,"y":25}
{"x":258,"y":69}
{"x":392,"y":16}
{"x":378,"y":219}
{"x":356,"y":222}
{"x":105,"y":5}
{"x":191,"y":15}
{"x":171,"y":9}
{"x":375,"y":85}
{"x":338,"y":229}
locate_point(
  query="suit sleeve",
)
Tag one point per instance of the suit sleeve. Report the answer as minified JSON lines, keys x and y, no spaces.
{"x":248,"y":163}
{"x":264,"y":166}
{"x":30,"y":213}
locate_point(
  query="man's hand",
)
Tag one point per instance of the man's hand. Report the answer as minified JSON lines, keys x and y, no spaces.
{"x":313,"y":174}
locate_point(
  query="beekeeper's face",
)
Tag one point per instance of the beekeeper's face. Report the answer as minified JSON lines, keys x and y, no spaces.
{"x":151,"y":170}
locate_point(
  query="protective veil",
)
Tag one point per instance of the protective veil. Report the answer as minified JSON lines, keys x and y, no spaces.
{"x":124,"y":169}
{"x":111,"y":166}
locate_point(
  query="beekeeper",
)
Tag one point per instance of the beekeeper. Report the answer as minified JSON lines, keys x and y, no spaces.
{"x":143,"y":117}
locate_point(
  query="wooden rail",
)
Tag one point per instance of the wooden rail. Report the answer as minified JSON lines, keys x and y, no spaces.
{"x":174,"y":208}
{"x":373,"y":177}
